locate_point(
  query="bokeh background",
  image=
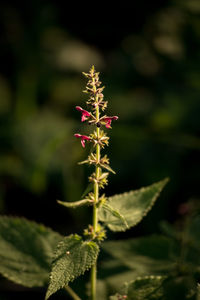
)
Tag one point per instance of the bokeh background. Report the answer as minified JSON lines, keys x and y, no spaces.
{"x":148,"y":54}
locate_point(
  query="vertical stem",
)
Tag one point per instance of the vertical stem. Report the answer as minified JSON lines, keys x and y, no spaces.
{"x":93,"y":281}
{"x":96,"y":184}
{"x":95,"y":209}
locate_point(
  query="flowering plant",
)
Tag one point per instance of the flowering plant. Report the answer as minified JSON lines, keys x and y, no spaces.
{"x":75,"y":254}
{"x":111,"y":212}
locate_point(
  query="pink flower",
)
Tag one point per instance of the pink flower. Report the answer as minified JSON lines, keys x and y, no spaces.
{"x":108,"y":120}
{"x":83,"y":138}
{"x":85,"y":113}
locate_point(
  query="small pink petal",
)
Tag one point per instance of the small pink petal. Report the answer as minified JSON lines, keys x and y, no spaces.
{"x":83,"y":143}
{"x":77,"y":135}
{"x":83,"y":117}
{"x":83,"y":138}
{"x":108,"y":121}
{"x":85,"y":113}
{"x":79,"y":108}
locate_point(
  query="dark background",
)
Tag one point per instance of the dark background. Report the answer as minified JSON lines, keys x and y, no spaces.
{"x":149,"y":58}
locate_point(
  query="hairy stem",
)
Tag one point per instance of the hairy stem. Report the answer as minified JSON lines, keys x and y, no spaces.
{"x":72,"y":293}
{"x":93,"y":281}
{"x":96,"y":189}
{"x":95,"y":209}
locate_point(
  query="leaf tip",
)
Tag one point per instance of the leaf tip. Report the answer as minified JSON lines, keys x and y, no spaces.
{"x":48,"y":294}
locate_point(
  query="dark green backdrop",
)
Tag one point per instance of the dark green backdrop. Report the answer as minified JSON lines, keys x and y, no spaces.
{"x":149,"y":58}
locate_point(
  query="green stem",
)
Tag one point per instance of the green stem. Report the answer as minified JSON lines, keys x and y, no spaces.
{"x":93,"y":281}
{"x":72,"y":293}
{"x":95,"y":211}
{"x":96,"y":188}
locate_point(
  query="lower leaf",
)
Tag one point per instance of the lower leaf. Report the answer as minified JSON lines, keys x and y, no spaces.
{"x":26,"y":251}
{"x":72,"y":258}
{"x":148,"y":287}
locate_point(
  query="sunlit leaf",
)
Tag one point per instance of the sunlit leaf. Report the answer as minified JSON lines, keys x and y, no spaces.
{"x":115,"y":213}
{"x":131,"y":207}
{"x":72,"y":258}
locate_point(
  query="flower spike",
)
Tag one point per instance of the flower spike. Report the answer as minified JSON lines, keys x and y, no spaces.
{"x":85,"y":113}
{"x":99,"y":178}
{"x":83,"y":138}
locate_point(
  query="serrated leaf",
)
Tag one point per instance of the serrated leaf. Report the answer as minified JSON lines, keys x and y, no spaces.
{"x":148,"y":287}
{"x":132,"y":206}
{"x":72,"y":258}
{"x":26,"y":251}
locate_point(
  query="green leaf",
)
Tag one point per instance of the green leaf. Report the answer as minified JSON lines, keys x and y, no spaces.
{"x":107,"y":167}
{"x":115,"y":213}
{"x":72,"y":258}
{"x":74,"y":204}
{"x":131,"y":206}
{"x":88,"y":189}
{"x":26,"y":251}
{"x":131,"y":258}
{"x":113,"y":272}
{"x":148,"y":287}
{"x":154,"y":254}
